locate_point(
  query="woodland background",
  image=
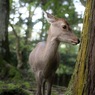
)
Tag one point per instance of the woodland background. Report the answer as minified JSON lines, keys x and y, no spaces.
{"x":21,"y":28}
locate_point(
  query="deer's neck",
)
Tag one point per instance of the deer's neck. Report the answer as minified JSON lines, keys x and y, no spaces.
{"x":50,"y":53}
{"x":51,"y":47}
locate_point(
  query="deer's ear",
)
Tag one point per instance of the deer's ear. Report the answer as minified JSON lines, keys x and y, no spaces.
{"x":50,"y":18}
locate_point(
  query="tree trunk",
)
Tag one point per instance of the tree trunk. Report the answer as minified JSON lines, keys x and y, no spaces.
{"x":4,"y":18}
{"x":83,"y":78}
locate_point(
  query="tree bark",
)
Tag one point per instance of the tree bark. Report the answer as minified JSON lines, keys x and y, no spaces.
{"x":83,"y":78}
{"x":4,"y":19}
{"x":91,"y":52}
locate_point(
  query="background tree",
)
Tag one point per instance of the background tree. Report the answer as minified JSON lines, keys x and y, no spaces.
{"x":82,"y":82}
{"x":4,"y":20}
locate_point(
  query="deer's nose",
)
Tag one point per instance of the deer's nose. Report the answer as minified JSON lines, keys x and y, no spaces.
{"x":78,"y":41}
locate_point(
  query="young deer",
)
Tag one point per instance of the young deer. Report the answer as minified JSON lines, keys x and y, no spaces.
{"x":44,"y":59}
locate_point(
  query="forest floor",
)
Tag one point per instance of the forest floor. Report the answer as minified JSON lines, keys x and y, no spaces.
{"x":25,"y":88}
{"x":20,"y":82}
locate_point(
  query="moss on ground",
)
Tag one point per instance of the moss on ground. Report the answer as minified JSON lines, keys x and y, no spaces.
{"x":8,"y":71}
{"x":13,"y":83}
{"x":24,"y":88}
{"x":19,"y":88}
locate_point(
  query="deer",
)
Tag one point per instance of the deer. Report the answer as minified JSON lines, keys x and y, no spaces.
{"x":44,"y":58}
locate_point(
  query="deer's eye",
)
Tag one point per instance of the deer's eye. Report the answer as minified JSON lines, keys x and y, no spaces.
{"x":64,"y":27}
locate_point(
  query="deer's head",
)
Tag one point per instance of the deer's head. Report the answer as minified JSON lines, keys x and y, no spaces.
{"x":60,"y":30}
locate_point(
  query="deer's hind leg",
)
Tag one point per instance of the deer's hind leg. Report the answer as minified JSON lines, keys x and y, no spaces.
{"x":43,"y":87}
{"x":49,"y":85}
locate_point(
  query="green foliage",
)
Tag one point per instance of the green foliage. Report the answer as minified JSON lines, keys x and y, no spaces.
{"x":14,"y":74}
{"x":63,"y":69}
{"x":13,"y":88}
{"x":8,"y":71}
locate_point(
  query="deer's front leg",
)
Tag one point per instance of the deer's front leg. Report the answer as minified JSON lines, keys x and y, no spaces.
{"x":49,"y":86}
